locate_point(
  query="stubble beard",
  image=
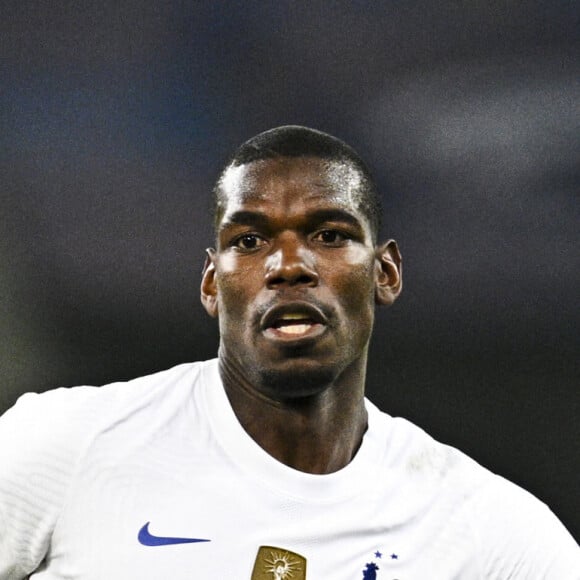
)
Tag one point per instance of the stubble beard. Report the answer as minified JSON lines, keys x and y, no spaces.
{"x":294,"y":385}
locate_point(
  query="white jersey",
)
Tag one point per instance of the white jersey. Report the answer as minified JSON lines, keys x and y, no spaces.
{"x":156,"y":479}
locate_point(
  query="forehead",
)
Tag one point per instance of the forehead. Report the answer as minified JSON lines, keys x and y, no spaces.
{"x":291,"y":181}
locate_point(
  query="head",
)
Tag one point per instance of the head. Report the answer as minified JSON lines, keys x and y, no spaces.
{"x":296,"y":141}
{"x":297,"y":272}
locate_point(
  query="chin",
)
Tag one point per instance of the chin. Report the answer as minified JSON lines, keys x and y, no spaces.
{"x":297,"y":380}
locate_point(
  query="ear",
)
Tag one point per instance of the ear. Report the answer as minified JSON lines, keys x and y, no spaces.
{"x":208,"y":284}
{"x":389,"y":271}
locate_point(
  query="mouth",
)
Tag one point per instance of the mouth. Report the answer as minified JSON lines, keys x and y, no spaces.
{"x":290,"y":322}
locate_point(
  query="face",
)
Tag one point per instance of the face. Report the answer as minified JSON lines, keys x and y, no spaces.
{"x":295,"y":275}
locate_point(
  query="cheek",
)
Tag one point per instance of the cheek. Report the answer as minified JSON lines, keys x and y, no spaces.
{"x":232,"y":303}
{"x":228,"y":287}
{"x":236,"y":285}
{"x":354,"y":282}
{"x":361,"y":266}
{"x":238,"y":272}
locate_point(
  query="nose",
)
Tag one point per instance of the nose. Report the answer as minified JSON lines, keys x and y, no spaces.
{"x":290,"y":264}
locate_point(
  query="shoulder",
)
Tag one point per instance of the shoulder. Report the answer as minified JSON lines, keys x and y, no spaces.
{"x":40,"y":438}
{"x":420,"y":459}
{"x":65,"y":418}
{"x":57,"y":413}
{"x":519,"y":535}
{"x":511,"y":533}
{"x":43,"y":438}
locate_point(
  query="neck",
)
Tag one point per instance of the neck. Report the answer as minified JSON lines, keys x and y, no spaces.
{"x":318,"y":433}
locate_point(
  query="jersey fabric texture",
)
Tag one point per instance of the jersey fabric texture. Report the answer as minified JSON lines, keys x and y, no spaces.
{"x":155,"y":478}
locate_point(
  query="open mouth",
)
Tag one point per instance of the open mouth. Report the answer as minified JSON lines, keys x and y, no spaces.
{"x":293,"y":322}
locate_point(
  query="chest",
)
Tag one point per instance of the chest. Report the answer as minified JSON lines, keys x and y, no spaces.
{"x":189,"y":517}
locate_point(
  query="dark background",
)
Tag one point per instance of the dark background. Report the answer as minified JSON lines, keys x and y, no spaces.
{"x":117,"y":116}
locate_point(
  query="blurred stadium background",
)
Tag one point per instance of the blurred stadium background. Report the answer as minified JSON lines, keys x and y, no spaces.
{"x":117,"y":116}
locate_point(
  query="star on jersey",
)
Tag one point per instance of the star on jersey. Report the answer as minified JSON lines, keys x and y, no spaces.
{"x":371,"y":568}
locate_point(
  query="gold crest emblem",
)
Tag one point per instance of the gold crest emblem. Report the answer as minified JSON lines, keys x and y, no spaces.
{"x":278,"y":564}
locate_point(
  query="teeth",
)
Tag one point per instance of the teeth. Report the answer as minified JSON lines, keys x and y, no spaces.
{"x":292,"y":316}
{"x":294,"y":328}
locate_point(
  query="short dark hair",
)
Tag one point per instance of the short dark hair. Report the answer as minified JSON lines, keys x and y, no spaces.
{"x":297,"y":141}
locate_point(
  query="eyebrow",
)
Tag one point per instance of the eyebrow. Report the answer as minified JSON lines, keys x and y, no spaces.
{"x":260,"y":219}
{"x":246,"y":218}
{"x":334,"y":215}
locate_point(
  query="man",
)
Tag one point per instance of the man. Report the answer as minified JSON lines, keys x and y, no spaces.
{"x":267,"y":463}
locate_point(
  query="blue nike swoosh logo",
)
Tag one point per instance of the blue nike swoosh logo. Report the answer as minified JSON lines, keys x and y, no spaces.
{"x":147,"y":539}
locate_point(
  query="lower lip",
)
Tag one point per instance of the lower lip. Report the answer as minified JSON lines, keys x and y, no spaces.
{"x":310,"y":331}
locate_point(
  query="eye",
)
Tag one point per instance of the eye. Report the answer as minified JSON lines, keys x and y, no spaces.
{"x":331,"y":237}
{"x":248,"y":242}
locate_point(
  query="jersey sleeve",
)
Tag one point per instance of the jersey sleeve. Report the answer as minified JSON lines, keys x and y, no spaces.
{"x":520,"y":538}
{"x":41,"y":438}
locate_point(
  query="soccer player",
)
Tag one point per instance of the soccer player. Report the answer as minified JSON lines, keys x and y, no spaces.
{"x":267,"y":462}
